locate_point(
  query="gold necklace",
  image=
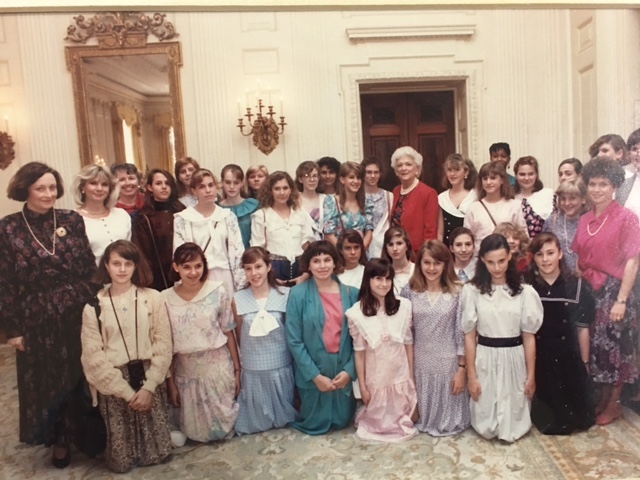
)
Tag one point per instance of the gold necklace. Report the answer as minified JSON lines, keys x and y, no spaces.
{"x":599,"y":228}
{"x":53,"y":252}
{"x":95,"y":214}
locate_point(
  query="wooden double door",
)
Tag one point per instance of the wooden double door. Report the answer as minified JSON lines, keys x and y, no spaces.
{"x":422,"y":120}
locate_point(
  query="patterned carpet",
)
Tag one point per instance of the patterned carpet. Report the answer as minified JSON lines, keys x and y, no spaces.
{"x":611,"y":452}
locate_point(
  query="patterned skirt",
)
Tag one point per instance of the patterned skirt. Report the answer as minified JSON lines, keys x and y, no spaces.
{"x":134,"y":438}
{"x":206,"y":383}
{"x":613,"y":344}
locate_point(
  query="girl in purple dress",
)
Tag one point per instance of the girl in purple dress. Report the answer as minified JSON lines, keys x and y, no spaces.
{"x":380,"y":325}
{"x":439,"y":362}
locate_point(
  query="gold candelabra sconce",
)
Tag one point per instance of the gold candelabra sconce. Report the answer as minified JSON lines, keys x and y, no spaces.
{"x":7,"y":153}
{"x":265,"y":130}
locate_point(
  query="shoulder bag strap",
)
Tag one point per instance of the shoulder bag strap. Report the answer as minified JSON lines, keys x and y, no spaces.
{"x":488,"y":213}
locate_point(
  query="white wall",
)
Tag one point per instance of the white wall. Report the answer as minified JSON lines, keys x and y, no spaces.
{"x":521,"y":69}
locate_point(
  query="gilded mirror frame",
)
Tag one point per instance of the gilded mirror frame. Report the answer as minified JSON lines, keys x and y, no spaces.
{"x":75,"y":56}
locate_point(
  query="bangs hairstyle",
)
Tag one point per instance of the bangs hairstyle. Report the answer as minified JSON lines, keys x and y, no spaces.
{"x":87,"y":175}
{"x":533,"y":163}
{"x":377,"y":267}
{"x":236,"y":171}
{"x":389,"y":235}
{"x":128,"y":168}
{"x":616,"y":142}
{"x":352,"y":236}
{"x":254,"y":254}
{"x":458,"y":162}
{"x":533,"y":275}
{"x":573,"y":187}
{"x":346,"y":169}
{"x":494,"y":168}
{"x":317,"y":248}
{"x":189,"y":252}
{"x":482,"y":278}
{"x":198,"y":177}
{"x":437,"y":250}
{"x":603,"y":167}
{"x":142,"y":276}
{"x":456,"y":232}
{"x":266,"y":192}
{"x":174,"y":203}
{"x":304,"y":169}
{"x":515,"y":231}
{"x":27,"y":175}
{"x":251,"y":171}
{"x":180,"y":164}
{"x":574,"y":162}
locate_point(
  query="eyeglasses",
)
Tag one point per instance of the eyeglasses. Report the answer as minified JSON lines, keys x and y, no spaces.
{"x":311,"y":177}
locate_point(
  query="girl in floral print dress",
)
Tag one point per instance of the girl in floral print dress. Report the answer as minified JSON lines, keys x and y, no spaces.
{"x":206,"y":367}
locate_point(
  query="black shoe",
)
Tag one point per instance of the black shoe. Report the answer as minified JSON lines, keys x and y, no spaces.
{"x":63,"y":462}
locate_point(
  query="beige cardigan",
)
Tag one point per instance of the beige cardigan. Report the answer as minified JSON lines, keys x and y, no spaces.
{"x":103,"y":351}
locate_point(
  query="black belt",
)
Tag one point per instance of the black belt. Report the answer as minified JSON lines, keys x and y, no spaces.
{"x":499,"y":342}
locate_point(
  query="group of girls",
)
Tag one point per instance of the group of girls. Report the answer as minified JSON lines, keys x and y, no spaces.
{"x":416,"y":327}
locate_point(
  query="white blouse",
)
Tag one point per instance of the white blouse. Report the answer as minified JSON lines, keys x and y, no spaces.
{"x":104,"y":231}
{"x":218,"y":235}
{"x":479,"y":222}
{"x":281,"y":236}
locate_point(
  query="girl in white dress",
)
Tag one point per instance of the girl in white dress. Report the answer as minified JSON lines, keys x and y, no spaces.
{"x":397,"y":249}
{"x":495,"y":203}
{"x":185,"y":167}
{"x":500,"y":318}
{"x":214,"y":229}
{"x":352,"y":251}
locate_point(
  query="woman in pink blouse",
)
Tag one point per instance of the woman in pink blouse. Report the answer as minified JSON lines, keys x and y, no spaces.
{"x":415,"y":205}
{"x":608,"y":246}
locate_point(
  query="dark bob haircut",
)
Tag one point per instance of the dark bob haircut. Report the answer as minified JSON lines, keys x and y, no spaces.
{"x":26,"y":176}
{"x":317,"y":248}
{"x":188,"y":252}
{"x":377,"y":267}
{"x":142,"y":276}
{"x":603,"y":167}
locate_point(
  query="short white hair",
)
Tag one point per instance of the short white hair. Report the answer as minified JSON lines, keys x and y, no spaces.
{"x":406,"y":152}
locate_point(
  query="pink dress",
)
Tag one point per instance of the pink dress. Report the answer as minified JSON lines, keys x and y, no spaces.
{"x":387,"y":418}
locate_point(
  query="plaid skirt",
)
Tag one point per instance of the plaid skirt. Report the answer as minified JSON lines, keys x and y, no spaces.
{"x":134,"y":438}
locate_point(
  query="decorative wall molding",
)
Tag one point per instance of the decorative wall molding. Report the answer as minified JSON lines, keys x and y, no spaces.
{"x":260,"y":61}
{"x":120,"y":29}
{"x":258,"y":21}
{"x":363,"y":34}
{"x":468,"y":72}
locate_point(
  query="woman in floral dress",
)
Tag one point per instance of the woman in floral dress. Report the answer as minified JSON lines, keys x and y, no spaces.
{"x":46,"y":264}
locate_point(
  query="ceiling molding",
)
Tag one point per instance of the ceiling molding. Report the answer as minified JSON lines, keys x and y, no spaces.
{"x":364,"y":34}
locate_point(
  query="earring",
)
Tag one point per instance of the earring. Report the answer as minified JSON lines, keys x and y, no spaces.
{"x":82,"y":192}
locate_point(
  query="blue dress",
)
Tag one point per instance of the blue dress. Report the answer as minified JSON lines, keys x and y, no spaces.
{"x":267,"y":393}
{"x":243,"y":211}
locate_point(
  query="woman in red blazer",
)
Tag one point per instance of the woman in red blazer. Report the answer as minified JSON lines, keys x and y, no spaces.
{"x":415,"y":205}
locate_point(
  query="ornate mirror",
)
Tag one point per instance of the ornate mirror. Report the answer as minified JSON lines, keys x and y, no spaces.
{"x":127,"y":92}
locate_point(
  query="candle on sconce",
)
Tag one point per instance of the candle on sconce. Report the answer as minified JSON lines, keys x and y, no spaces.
{"x":258,"y":90}
{"x":281,"y":110}
{"x":269,"y":90}
{"x":239,"y":107}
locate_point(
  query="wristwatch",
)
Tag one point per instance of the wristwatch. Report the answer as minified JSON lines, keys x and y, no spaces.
{"x":621,"y":302}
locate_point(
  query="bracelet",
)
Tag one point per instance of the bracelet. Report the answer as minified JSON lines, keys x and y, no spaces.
{"x":462,"y":366}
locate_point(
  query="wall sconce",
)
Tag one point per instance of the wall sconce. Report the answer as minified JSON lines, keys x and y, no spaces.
{"x":266,"y":132}
{"x":7,"y":154}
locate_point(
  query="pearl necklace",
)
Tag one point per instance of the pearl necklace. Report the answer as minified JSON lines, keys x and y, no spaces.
{"x":53,"y":252}
{"x":404,"y":269}
{"x":409,"y":189}
{"x":599,"y":228}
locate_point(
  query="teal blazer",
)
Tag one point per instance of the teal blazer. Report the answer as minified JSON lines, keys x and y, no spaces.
{"x":305,"y":326}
